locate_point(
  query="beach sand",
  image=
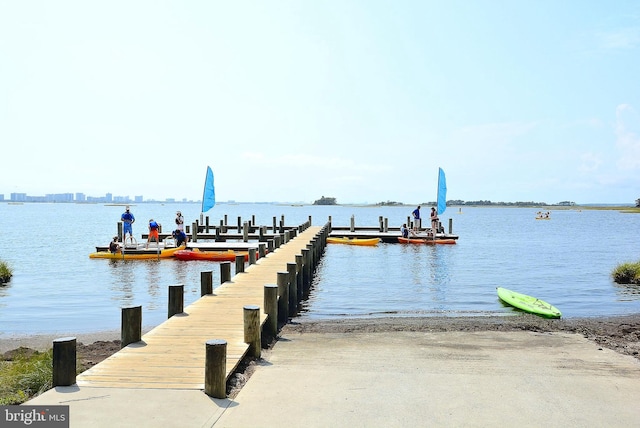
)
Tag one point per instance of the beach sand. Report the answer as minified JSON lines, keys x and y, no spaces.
{"x":619,"y":333}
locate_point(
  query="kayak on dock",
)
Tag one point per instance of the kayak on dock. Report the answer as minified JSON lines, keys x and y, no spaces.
{"x":426,"y":241}
{"x":370,"y":242}
{"x":221,"y":256}
{"x":137,"y":253}
{"x":528,"y":303}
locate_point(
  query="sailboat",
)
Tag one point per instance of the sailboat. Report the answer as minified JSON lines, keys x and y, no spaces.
{"x":209,"y":192}
{"x":441,"y":207}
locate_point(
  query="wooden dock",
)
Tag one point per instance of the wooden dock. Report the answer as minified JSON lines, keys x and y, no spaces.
{"x":172,"y":355}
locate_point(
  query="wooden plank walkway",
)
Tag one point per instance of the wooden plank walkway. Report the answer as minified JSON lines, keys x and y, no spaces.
{"x":172,"y":355}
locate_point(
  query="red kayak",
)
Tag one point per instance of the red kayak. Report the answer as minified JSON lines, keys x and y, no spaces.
{"x":218,"y":256}
{"x":426,"y":241}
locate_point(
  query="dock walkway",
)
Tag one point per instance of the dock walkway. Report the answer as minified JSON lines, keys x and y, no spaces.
{"x":172,"y":355}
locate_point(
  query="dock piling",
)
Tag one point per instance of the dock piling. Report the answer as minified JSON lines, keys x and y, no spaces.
{"x":271,"y":309}
{"x":225,"y":272}
{"x":131,"y":326}
{"x":206,"y":283}
{"x":176,"y":300}
{"x":251,"y":317}
{"x":64,"y":361}
{"x":215,"y":382}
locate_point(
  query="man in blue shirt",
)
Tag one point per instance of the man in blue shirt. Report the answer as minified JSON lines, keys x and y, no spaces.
{"x":127,"y":219}
{"x":180,"y":237}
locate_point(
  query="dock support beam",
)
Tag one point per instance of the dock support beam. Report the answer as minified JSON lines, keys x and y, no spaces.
{"x":283,"y":297}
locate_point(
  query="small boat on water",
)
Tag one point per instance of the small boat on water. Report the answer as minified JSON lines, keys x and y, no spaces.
{"x":528,"y":303}
{"x":427,"y":241}
{"x":543,"y":216}
{"x":137,"y":253}
{"x":369,"y":242}
{"x":217,"y":256}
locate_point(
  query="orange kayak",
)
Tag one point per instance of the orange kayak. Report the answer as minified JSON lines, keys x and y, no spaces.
{"x":426,"y":241}
{"x":219,"y":256}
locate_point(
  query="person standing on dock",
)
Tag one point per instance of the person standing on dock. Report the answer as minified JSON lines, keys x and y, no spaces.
{"x":434,"y":222}
{"x":416,"y":219}
{"x":127,"y":219}
{"x":179,"y":221}
{"x":154,"y":228}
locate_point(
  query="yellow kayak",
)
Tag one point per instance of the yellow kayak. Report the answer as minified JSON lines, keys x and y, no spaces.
{"x":137,"y":254}
{"x":354,"y":241}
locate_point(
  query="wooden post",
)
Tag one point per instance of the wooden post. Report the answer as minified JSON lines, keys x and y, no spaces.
{"x":450,"y":226}
{"x":386,"y":224}
{"x":274,"y":225}
{"x":176,"y":300}
{"x":194,"y":234}
{"x":131,"y":326}
{"x":277,"y":240}
{"x":282,"y":223}
{"x":271,"y":309}
{"x":252,"y":256}
{"x":225,"y":272}
{"x":251,"y":317}
{"x":239,"y":263}
{"x":293,"y":288}
{"x":299,"y":285}
{"x":64,"y":361}
{"x":270,"y":245}
{"x":206,"y":225}
{"x":261,"y":237}
{"x":245,"y":232}
{"x":306,"y":273}
{"x":286,"y":236}
{"x":283,"y":296}
{"x":262,"y":250}
{"x":120,"y":237}
{"x":381,"y":224}
{"x":239,"y":229}
{"x":217,"y":238}
{"x":352,"y":228}
{"x":206,"y":283}
{"x":215,"y":368}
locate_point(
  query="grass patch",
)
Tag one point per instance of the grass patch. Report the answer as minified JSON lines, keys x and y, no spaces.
{"x":25,"y":376}
{"x":627,"y":273}
{"x":5,"y":272}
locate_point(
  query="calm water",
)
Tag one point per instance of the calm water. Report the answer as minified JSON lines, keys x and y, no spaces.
{"x":56,"y":288}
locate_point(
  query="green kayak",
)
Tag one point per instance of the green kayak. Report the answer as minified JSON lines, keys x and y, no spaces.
{"x":528,"y":303}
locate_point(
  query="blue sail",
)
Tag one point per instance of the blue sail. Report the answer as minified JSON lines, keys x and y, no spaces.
{"x":209,"y":194}
{"x":442,"y":192}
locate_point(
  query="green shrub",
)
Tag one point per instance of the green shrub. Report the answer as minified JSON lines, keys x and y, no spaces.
{"x":25,"y":377}
{"x":5,"y":272}
{"x":627,"y":273}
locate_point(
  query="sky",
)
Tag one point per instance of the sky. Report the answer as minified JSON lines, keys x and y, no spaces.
{"x":361,"y":100}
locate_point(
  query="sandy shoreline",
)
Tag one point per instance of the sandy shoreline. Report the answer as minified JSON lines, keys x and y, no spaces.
{"x":620,"y":333}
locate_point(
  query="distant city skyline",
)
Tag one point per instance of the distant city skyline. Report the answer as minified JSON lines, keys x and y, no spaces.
{"x":81,"y":197}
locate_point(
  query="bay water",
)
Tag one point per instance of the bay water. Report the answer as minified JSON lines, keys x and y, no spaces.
{"x":567,"y":261}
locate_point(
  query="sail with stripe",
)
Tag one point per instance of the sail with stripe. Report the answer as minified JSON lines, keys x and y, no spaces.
{"x":209,"y":192}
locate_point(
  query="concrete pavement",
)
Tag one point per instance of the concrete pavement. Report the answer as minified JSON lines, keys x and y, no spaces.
{"x":394,"y":379}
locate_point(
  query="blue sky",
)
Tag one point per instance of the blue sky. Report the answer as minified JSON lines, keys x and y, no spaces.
{"x":294,"y":100}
